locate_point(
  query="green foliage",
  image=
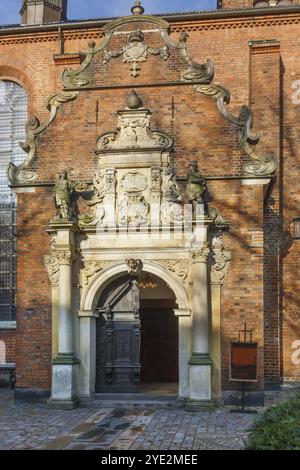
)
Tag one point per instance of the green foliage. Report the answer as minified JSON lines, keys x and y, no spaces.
{"x":277,"y":428}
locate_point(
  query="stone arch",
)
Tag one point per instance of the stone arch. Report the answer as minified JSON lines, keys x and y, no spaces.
{"x":18,"y":72}
{"x":92,"y":293}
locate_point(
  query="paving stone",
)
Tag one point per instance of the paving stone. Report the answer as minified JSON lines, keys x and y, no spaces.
{"x":148,"y":427}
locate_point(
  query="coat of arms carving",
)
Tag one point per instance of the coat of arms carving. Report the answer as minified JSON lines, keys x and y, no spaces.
{"x":136,"y":51}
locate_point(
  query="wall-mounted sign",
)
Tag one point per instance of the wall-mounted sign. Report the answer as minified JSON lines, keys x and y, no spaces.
{"x":243,"y":361}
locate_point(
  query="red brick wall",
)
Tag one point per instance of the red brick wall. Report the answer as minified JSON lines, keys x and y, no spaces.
{"x":34,"y":334}
{"x":260,"y":288}
{"x":236,"y":3}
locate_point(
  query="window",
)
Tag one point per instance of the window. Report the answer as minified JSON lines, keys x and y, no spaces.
{"x":13,"y":118}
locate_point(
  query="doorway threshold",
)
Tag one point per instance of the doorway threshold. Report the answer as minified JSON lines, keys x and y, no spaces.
{"x":149,"y":394}
{"x":134,"y":399}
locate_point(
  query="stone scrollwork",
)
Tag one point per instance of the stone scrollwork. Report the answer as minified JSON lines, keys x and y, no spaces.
{"x":51,"y":263}
{"x":179,"y":267}
{"x":201,"y":73}
{"x":97,"y":211}
{"x":201,"y":255}
{"x":219,"y":260}
{"x":217,"y":218}
{"x":78,"y":78}
{"x":91,"y":268}
{"x":261,"y":165}
{"x":23,"y":174}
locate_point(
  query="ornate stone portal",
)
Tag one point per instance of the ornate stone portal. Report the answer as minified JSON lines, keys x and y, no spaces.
{"x":136,"y":224}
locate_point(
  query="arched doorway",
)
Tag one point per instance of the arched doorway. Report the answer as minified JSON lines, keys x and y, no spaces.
{"x":137,"y":336}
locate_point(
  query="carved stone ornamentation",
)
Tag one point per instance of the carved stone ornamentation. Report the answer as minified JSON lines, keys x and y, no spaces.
{"x":134,"y":266}
{"x":201,"y":255}
{"x":97,"y":213}
{"x":179,"y":267}
{"x":133,"y":181}
{"x":135,"y":52}
{"x":62,"y":196}
{"x":63,"y":190}
{"x":91,"y":268}
{"x":66,"y":257}
{"x":133,"y":132}
{"x":196,"y":186}
{"x":51,"y":263}
{"x":261,"y":165}
{"x":218,"y":219}
{"x":219,"y":260}
{"x":201,"y":73}
{"x":172,"y":200}
{"x":22,"y":173}
{"x":133,"y":207}
{"x":156,"y":179}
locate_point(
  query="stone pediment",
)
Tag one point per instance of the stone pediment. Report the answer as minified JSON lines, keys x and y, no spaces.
{"x":134,"y":131}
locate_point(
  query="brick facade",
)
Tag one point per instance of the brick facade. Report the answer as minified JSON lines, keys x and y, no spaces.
{"x":256,"y":58}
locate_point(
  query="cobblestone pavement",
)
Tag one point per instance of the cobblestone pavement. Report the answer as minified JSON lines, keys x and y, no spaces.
{"x":130,"y":427}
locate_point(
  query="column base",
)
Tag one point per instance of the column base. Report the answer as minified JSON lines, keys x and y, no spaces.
{"x":64,"y":404}
{"x":200,"y":378}
{"x":63,"y":393}
{"x":199,"y":405}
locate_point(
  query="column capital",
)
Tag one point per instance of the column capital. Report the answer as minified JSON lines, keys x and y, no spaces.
{"x":66,"y":257}
{"x":200,"y":255}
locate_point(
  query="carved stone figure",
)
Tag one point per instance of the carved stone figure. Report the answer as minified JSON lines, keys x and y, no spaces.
{"x":196,"y":186}
{"x":62,"y":195}
{"x":134,"y":266}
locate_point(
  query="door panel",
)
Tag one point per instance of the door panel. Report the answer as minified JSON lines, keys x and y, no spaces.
{"x":159,"y":345}
{"x":118,"y":338}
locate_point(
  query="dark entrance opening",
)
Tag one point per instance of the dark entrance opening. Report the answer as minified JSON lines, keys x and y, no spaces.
{"x":137,"y":337}
{"x":159,"y":342}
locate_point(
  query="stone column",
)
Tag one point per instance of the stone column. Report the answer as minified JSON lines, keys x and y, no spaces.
{"x":65,"y":364}
{"x":65,"y":321}
{"x":219,"y":265}
{"x":87,"y":374}
{"x":200,"y":362}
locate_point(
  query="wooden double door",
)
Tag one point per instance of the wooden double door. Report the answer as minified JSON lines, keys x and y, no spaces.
{"x":137,"y":341}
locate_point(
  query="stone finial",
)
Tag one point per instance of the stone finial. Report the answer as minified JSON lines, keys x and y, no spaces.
{"x":134,"y":101}
{"x":137,"y":9}
{"x":282,"y":3}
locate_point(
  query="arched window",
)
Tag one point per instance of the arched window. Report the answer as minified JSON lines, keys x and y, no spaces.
{"x":13,"y":118}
